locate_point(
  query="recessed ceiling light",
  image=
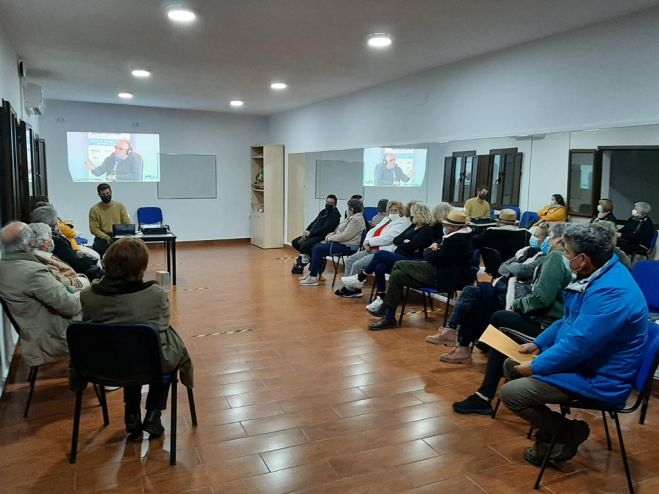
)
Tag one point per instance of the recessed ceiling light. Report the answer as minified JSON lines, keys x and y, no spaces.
{"x":141,"y":73}
{"x":125,"y":95}
{"x":181,"y":14}
{"x":236,"y":103}
{"x":278,"y":85}
{"x":379,"y":40}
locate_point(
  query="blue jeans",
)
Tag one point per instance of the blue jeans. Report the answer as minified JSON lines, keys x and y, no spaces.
{"x":323,"y":249}
{"x":382,"y":263}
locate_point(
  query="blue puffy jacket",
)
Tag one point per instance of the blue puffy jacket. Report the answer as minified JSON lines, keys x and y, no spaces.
{"x":596,"y":349}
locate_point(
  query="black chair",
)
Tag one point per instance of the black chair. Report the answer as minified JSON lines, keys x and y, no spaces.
{"x":32,"y":376}
{"x":427,"y":294}
{"x":120,"y":355}
{"x":492,"y":260}
{"x":642,"y":384}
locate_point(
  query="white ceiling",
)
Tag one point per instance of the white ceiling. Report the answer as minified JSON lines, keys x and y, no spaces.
{"x":84,"y":50}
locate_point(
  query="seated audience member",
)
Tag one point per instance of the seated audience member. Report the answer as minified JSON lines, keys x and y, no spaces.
{"x":380,"y":237}
{"x":448,"y":266}
{"x":382,"y":212}
{"x":475,"y":305}
{"x":326,"y":222}
{"x":529,"y":315}
{"x":542,"y":304}
{"x":63,"y":250}
{"x":409,"y":245}
{"x":42,"y":249}
{"x":342,"y":241}
{"x":611,"y":230}
{"x":593,"y":352}
{"x":636,"y":234}
{"x":478,"y":207}
{"x":554,"y":212}
{"x":439,"y":214}
{"x":41,"y":305}
{"x":122,"y":296}
{"x":505,"y":237}
{"x":103,"y":215}
{"x":604,"y":212}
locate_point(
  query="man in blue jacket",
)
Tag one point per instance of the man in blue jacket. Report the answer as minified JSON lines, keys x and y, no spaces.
{"x":594,"y":352}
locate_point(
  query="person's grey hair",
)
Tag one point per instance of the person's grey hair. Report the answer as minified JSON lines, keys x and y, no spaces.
{"x":15,"y":241}
{"x":591,"y":240}
{"x":609,"y":227}
{"x":45,"y":214}
{"x":356,"y":205}
{"x":643,"y":207}
{"x":557,"y":229}
{"x":40,"y":234}
{"x":440,"y":211}
{"x":421,"y":215}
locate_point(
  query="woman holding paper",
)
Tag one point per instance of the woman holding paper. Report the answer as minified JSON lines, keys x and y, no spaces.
{"x":529,"y":315}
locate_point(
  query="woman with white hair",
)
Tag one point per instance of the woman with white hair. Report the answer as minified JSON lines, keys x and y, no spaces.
{"x":42,"y":249}
{"x":636,"y":235}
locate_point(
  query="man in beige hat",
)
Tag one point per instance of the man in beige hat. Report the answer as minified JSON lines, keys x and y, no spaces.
{"x":507,"y":238}
{"x":447,"y":266}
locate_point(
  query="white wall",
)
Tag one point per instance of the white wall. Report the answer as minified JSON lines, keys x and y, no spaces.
{"x":228,"y":136}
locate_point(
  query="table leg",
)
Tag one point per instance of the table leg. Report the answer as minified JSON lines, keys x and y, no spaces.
{"x":169,"y":261}
{"x":173,"y":242}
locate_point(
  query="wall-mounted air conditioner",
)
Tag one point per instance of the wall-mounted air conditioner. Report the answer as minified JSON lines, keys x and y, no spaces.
{"x":33,"y":97}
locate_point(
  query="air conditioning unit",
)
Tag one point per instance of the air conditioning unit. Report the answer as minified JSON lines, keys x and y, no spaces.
{"x":33,"y":97}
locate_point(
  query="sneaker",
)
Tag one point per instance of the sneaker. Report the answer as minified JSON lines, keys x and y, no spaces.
{"x":297,"y":269}
{"x":152,"y":424}
{"x":445,"y":336}
{"x":459,"y":355}
{"x":380,"y":312}
{"x":474,"y":404}
{"x":341,"y":292}
{"x":133,"y":422}
{"x":375,"y":306}
{"x":109,"y":389}
{"x":383,"y":323}
{"x":352,"y":282}
{"x":352,"y":294}
{"x":305,"y":272}
{"x":310,"y":281}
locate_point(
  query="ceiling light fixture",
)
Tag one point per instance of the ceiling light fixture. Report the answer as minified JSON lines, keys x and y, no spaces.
{"x":125,"y":95}
{"x":141,"y":73}
{"x":379,"y":40}
{"x":236,"y":103}
{"x":178,"y":13}
{"x":278,"y":85}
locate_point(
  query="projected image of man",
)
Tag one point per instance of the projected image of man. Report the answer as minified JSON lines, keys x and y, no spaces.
{"x":389,"y":173}
{"x":123,"y":164}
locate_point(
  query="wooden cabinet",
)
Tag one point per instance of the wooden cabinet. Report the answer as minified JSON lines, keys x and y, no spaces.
{"x":267,"y":196}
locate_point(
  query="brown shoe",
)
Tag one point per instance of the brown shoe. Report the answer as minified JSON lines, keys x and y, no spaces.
{"x":459,"y":355}
{"x":445,"y":336}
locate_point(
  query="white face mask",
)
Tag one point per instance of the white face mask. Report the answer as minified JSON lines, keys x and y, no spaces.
{"x":600,"y":208}
{"x":552,"y":202}
{"x":635,"y":213}
{"x":394,"y":216}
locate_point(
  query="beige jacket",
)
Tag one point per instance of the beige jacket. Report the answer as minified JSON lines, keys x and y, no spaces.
{"x":41,"y":305}
{"x":349,"y":231}
{"x":61,"y":270}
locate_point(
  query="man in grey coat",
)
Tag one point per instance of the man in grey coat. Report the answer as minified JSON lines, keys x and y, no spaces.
{"x":39,"y":303}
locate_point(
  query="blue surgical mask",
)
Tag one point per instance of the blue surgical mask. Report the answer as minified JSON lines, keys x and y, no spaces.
{"x":534,"y":242}
{"x":545,"y":247}
{"x":567,"y":263}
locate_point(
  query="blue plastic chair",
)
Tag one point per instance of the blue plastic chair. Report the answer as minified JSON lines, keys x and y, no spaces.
{"x":528,"y":218}
{"x":642,"y":384}
{"x":646,"y":275}
{"x":369,"y":213}
{"x":149,"y":216}
{"x":82,"y":240}
{"x":514,"y":208}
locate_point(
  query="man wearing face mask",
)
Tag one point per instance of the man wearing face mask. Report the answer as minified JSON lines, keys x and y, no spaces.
{"x":636,"y":234}
{"x":103,"y":215}
{"x":593,"y":352}
{"x":325,"y":223}
{"x":478,"y":207}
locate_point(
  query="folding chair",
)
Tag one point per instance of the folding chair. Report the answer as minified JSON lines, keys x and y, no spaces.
{"x":32,"y":376}
{"x":427,"y":294}
{"x":120,"y":355}
{"x":492,"y":260}
{"x":642,"y":384}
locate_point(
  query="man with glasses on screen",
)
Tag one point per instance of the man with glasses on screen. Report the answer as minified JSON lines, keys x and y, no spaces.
{"x":123,"y":164}
{"x":389,"y":173}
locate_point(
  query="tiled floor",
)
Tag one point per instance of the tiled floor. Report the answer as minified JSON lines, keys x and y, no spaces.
{"x":305,"y":400}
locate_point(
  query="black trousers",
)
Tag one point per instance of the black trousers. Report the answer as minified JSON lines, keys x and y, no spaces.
{"x":100,"y":245}
{"x":155,"y":399}
{"x":495,"y":360}
{"x":305,"y":245}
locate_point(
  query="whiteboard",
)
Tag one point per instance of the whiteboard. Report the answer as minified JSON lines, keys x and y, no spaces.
{"x":187,"y":176}
{"x":341,"y":178}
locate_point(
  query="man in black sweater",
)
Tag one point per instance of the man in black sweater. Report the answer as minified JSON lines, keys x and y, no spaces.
{"x":326,"y":222}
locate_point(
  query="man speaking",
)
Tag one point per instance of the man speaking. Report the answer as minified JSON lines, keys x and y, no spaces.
{"x":123,"y":164}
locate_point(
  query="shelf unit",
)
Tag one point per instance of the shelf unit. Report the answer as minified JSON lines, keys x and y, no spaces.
{"x":267,"y":205}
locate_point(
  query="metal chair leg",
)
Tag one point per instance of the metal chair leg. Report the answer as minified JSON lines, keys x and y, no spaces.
{"x":372,"y":297}
{"x":545,"y":460}
{"x":193,"y":409}
{"x":644,"y":409}
{"x":496,"y":408}
{"x":606,"y":429}
{"x":624,"y":453}
{"x":32,"y":378}
{"x":76,"y":425}
{"x":104,"y":405}
{"x":448,"y":306}
{"x":172,"y":434}
{"x":402,"y":309}
{"x":425,"y":305}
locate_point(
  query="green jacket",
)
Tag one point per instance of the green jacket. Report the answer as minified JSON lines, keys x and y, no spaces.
{"x":545,"y":302}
